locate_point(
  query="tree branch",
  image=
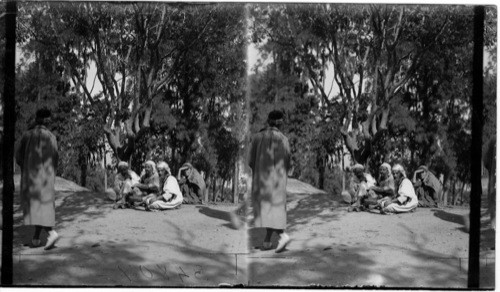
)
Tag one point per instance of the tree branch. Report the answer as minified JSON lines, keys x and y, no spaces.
{"x":147,"y":116}
{"x":81,"y":83}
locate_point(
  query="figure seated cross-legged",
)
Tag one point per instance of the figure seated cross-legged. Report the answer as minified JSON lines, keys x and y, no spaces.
{"x":147,"y":188}
{"x":427,"y":187}
{"x":359,"y":185}
{"x":406,"y":200}
{"x":383,"y":191}
{"x":170,"y":196}
{"x":192,"y":184}
{"x":124,"y":180}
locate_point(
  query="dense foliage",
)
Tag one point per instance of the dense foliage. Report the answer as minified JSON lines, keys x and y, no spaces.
{"x":394,"y":80}
{"x":159,"y":81}
{"x":150,"y":80}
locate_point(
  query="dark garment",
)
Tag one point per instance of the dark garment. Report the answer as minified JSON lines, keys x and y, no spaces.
{"x":427,"y":197}
{"x":191,"y":193}
{"x":370,"y":200}
{"x":192,"y":185}
{"x":429,"y":189}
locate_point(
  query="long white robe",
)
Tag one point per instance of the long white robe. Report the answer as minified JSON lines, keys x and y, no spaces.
{"x":269,"y":160}
{"x":37,"y":155}
{"x":406,"y":196}
{"x":170,"y":189}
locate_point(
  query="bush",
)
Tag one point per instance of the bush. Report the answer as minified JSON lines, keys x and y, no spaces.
{"x":309,"y":175}
{"x":95,"y":179}
{"x":333,"y":181}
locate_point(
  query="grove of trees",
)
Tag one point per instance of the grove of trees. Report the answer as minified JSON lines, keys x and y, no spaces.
{"x":388,"y":83}
{"x":171,"y":81}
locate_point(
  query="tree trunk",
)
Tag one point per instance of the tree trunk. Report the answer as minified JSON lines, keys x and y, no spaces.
{"x":214,"y":189}
{"x":453,"y":191}
{"x":320,"y":164}
{"x":462,"y":193}
{"x":351,"y":143}
{"x":458,"y":194}
{"x":446,"y":188}
{"x":122,"y":152}
{"x":222,"y":188}
{"x":343,"y":172}
{"x":83,"y":171}
{"x":236,"y":182}
{"x":105,"y":170}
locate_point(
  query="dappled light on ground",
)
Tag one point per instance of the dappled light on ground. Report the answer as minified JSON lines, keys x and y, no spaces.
{"x":332,"y":247}
{"x":195,"y":246}
{"x":100,"y":246}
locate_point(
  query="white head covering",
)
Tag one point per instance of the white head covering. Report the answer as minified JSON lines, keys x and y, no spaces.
{"x":386,"y":166}
{"x":358,"y":166}
{"x":399,"y":168}
{"x":152,"y":164}
{"x":163,"y":165}
{"x":122,"y":165}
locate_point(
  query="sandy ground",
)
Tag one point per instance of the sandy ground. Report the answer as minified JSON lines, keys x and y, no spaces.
{"x":332,"y":247}
{"x":196,"y":246}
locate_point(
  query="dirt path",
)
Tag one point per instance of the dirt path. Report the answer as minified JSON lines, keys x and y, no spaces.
{"x":196,"y":246}
{"x":427,"y":248}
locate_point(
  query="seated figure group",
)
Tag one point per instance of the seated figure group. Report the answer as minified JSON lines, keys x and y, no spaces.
{"x":394,"y":192}
{"x":156,"y":188}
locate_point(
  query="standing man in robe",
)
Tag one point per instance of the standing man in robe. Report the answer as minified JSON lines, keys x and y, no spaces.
{"x":37,"y":155}
{"x":270,"y":160}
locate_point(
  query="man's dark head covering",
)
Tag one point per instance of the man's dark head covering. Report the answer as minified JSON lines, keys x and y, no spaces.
{"x":275,"y":115}
{"x":42,"y":115}
{"x":275,"y":118}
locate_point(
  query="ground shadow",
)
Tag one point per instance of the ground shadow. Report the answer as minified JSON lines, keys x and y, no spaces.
{"x":213,"y":213}
{"x":83,"y":204}
{"x":84,"y":265}
{"x":448,"y":267}
{"x":217,"y":266}
{"x":71,"y":208}
{"x":304,"y":208}
{"x":322,"y":267}
{"x":256,"y":237}
{"x":440,"y":270}
{"x":71,"y":204}
{"x":451,"y":217}
{"x":348,"y":266}
{"x":179,"y":261}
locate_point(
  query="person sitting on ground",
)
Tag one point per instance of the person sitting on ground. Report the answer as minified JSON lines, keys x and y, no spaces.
{"x":360,"y":182}
{"x":170,"y":196}
{"x":124,"y":180}
{"x":384,"y":190}
{"x":406,"y":199}
{"x":191,"y":183}
{"x":427,"y":186}
{"x":147,"y":187}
